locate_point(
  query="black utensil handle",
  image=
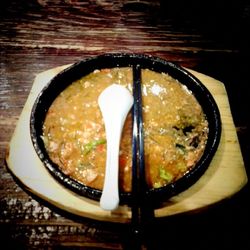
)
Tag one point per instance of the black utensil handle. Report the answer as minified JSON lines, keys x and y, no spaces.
{"x":135,"y":151}
{"x":142,"y":212}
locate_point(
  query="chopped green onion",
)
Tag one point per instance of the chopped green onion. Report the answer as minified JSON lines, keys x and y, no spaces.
{"x":165,"y":175}
{"x":87,"y":148}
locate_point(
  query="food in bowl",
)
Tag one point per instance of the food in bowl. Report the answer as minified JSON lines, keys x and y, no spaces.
{"x":175,"y":129}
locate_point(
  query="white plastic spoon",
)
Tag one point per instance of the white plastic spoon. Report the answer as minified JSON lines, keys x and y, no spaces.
{"x":115,"y":102}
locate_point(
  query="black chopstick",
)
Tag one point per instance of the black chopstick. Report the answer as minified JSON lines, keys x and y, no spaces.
{"x":142,"y":212}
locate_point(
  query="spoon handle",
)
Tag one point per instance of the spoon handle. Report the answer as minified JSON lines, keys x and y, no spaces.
{"x":110,"y":195}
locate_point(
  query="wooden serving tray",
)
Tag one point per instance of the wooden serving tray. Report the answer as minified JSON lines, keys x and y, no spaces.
{"x":225,"y":176}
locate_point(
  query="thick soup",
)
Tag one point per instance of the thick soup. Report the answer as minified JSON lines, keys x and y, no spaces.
{"x":175,"y":129}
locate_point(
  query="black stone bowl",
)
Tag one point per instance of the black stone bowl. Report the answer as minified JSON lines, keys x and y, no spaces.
{"x":86,"y":66}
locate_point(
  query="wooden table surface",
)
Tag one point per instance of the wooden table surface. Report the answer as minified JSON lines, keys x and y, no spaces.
{"x":210,"y":37}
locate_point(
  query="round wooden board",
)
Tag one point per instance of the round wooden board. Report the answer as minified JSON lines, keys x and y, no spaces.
{"x":225,"y":176}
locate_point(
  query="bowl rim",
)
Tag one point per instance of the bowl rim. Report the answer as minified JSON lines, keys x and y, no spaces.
{"x":111,"y":60}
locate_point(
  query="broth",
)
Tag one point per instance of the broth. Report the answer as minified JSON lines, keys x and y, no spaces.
{"x":175,"y":129}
